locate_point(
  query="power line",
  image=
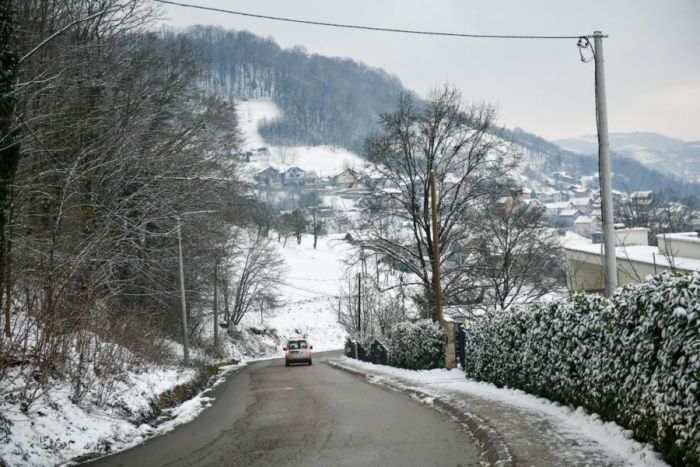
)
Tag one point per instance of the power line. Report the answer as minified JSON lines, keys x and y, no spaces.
{"x":370,"y":28}
{"x":304,"y":289}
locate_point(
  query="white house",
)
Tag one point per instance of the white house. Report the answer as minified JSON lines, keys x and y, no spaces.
{"x":586,"y":225}
{"x":582,"y":204}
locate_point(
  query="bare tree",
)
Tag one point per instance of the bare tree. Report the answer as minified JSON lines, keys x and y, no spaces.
{"x":461,"y":144}
{"x":257,"y":275}
{"x":661,"y":212}
{"x":517,"y":256}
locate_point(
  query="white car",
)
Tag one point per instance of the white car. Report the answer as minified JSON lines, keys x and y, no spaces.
{"x":297,"y":351}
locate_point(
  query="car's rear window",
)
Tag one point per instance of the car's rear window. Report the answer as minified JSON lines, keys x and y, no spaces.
{"x":296,"y":345}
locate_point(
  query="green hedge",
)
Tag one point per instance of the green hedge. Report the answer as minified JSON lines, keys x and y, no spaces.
{"x":417,"y":346}
{"x":633,"y":359}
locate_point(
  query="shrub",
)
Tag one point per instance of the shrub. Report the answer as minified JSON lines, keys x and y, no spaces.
{"x":634,"y":358}
{"x":417,"y":346}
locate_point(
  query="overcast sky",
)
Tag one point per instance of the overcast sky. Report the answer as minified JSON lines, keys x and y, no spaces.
{"x":652,"y":57}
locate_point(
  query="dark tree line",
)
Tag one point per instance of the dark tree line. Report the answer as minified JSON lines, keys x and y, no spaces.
{"x":324,"y":100}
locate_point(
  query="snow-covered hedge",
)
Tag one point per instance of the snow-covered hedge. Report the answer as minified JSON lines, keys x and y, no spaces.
{"x":417,"y":346}
{"x":633,"y":359}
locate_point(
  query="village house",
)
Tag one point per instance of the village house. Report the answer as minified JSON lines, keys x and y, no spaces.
{"x":642,"y":197}
{"x":550,"y":196}
{"x":293,"y":176}
{"x":582,"y":204}
{"x":566,"y":218}
{"x":584,"y":193}
{"x":556,"y":207}
{"x":346,"y":178}
{"x":587,"y":225}
{"x":269,"y":177}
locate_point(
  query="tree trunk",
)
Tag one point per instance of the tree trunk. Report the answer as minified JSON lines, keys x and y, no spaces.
{"x":9,"y":147}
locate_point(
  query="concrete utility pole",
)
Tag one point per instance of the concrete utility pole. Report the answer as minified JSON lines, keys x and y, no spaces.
{"x":604,"y":166}
{"x":185,"y":343}
{"x":436,"y":250}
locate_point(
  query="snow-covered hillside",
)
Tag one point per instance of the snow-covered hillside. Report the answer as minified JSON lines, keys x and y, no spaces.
{"x":311,"y":285}
{"x":323,"y":160}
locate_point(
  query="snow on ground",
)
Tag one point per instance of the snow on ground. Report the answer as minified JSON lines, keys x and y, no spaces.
{"x":585,"y":436}
{"x":55,"y":429}
{"x":324,"y":160}
{"x":250,"y":115}
{"x":309,"y":300}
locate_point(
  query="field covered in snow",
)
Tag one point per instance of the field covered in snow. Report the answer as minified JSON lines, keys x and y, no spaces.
{"x":323,"y":160}
{"x":308,"y":299}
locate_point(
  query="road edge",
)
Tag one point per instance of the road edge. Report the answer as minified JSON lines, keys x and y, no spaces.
{"x":494,"y":447}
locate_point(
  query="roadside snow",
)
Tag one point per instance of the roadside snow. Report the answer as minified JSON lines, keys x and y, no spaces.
{"x":55,"y":429}
{"x":572,"y":428}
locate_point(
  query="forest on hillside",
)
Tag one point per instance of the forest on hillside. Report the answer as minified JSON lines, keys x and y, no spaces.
{"x":338,"y":101}
{"x":324,"y":100}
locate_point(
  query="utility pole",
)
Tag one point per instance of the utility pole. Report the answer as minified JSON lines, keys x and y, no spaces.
{"x":185,"y":343}
{"x":216,"y":303}
{"x":359,"y":301}
{"x":604,"y":166}
{"x":436,"y":250}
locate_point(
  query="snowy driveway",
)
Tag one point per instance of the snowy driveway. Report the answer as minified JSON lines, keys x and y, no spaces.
{"x":268,"y":414}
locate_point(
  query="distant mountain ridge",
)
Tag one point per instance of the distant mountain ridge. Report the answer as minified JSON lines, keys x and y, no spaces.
{"x":670,"y":156}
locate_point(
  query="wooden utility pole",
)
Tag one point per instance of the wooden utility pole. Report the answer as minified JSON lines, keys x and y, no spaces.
{"x":216,"y":303}
{"x":359,"y":306}
{"x":436,"y":250}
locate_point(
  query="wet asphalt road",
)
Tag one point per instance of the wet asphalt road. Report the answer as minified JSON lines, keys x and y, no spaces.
{"x":268,"y":414}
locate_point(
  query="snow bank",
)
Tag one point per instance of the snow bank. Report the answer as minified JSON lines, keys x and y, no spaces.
{"x":592,"y":434}
{"x":55,"y":429}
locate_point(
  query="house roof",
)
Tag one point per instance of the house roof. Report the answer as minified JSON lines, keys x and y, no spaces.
{"x":557,"y":205}
{"x":580,"y":201}
{"x":346,"y":171}
{"x":586,"y":220}
{"x":569,"y":213}
{"x":639,"y":253}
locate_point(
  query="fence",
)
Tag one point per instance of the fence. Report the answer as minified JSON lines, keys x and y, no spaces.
{"x":373,"y":352}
